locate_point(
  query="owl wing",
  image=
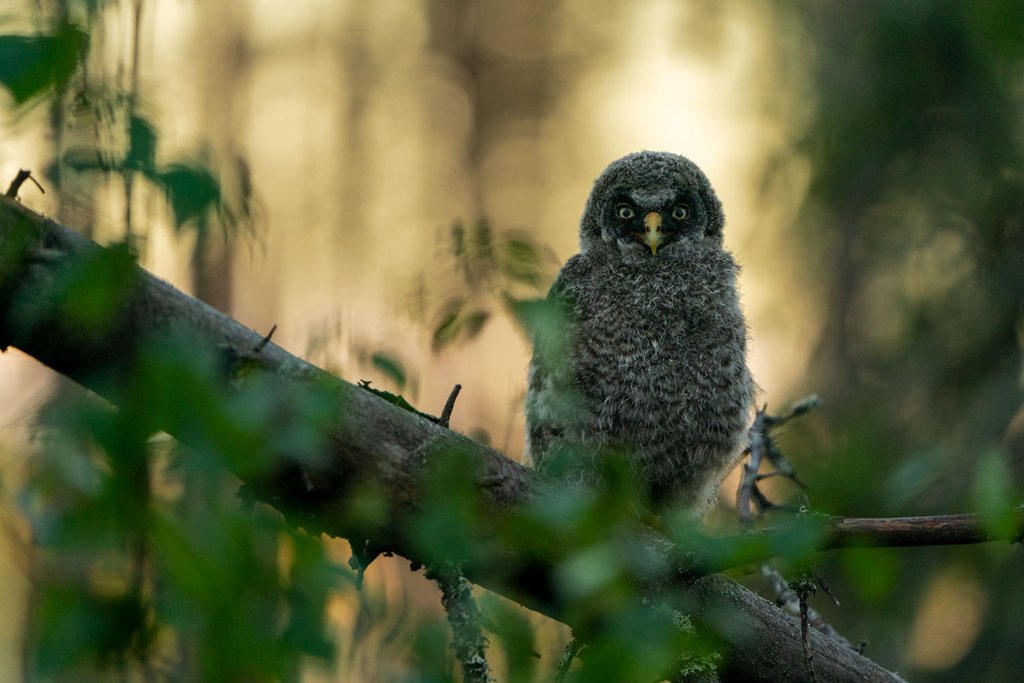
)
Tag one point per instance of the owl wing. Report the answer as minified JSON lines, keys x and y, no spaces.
{"x":552,"y":397}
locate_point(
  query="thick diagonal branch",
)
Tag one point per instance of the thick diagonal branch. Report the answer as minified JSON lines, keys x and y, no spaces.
{"x":372,"y":442}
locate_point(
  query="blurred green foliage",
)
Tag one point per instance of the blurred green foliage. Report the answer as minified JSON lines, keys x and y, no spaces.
{"x":147,"y":563}
{"x":145,"y":560}
{"x":33,"y":65}
{"x":192,"y":191}
{"x":100,"y":113}
{"x":912,"y":237}
{"x":492,"y":270}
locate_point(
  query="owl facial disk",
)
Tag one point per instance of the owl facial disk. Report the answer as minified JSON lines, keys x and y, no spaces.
{"x":653,"y":236}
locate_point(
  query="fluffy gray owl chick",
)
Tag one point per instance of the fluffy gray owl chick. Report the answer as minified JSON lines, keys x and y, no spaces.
{"x":647,"y":355}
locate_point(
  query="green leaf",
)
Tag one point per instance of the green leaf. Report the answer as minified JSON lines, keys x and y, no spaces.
{"x":390,"y":366}
{"x":393,"y":399}
{"x":521,"y":261}
{"x":142,"y":151}
{"x":541,"y":319}
{"x":483,"y":238}
{"x":30,"y":65}
{"x":458,"y":240}
{"x":191,"y":190}
{"x":448,"y":328}
{"x":473,"y":322}
{"x":993,"y":492}
{"x":455,"y":324}
{"x":99,"y":288}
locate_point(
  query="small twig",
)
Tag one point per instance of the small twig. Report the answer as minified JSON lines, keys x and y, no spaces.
{"x":824,"y":587}
{"x":465,"y":619}
{"x":571,"y":650}
{"x":19,"y":180}
{"x":762,"y":446}
{"x":804,"y":586}
{"x":764,"y":505}
{"x":801,"y":407}
{"x":805,"y":634}
{"x":449,"y":406}
{"x":266,"y":340}
{"x":898,"y":532}
{"x":44,"y":255}
{"x":788,"y":599}
{"x":491,"y":481}
{"x":750,"y":470}
{"x":780,"y":462}
{"x":718,"y":554}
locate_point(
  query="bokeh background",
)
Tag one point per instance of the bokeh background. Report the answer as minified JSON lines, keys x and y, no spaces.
{"x":378,"y":175}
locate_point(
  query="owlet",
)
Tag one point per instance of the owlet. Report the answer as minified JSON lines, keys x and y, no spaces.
{"x":647,"y":354}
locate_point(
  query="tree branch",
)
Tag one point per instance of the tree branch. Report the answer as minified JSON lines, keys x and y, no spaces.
{"x":748,"y":483}
{"x":903,"y":532}
{"x":19,"y":180}
{"x":372,"y":443}
{"x":786,"y":597}
{"x":819,"y":532}
{"x":466,"y":621}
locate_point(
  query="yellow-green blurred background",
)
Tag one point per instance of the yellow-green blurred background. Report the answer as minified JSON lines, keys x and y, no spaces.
{"x":868,"y":158}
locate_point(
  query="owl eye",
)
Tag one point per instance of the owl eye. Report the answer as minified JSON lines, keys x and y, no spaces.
{"x":625,"y":212}
{"x":680,"y":212}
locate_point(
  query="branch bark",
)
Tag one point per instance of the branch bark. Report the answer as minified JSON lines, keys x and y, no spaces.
{"x":832,"y":533}
{"x":372,"y":442}
{"x":902,"y":532}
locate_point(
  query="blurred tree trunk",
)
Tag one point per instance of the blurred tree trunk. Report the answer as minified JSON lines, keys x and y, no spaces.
{"x":224,"y":90}
{"x":359,"y":73}
{"x":70,"y":208}
{"x":502,"y":52}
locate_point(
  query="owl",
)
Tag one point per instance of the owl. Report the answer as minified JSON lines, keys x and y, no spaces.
{"x":646,"y":354}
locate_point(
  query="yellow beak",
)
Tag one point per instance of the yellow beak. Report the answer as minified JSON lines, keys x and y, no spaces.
{"x":653,"y":235}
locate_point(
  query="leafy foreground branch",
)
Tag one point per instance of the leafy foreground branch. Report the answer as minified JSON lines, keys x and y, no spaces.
{"x":369,"y":470}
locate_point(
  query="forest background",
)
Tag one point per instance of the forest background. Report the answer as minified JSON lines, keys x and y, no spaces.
{"x":375,"y":177}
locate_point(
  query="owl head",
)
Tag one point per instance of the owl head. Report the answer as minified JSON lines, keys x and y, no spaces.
{"x":649,"y":204}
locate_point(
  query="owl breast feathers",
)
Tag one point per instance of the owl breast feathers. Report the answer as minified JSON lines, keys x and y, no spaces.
{"x":647,"y":354}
